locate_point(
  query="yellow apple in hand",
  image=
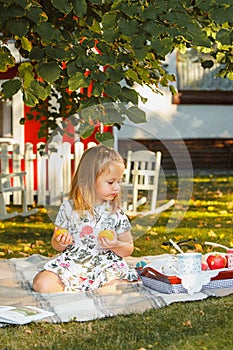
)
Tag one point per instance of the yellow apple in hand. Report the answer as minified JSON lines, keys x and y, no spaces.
{"x":109,"y":234}
{"x":60,"y":231}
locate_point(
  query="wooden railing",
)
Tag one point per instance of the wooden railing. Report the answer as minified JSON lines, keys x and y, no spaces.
{"x":48,"y":176}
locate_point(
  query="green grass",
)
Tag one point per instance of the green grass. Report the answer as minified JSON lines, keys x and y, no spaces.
{"x":198,"y":325}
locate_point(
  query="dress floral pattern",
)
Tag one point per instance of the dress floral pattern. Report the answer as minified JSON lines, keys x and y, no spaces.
{"x":85,"y":265}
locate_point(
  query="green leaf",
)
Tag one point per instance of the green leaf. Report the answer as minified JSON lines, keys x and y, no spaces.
{"x":71,"y":68}
{"x":100,"y":76}
{"x":37,"y":15}
{"x":129,"y":95}
{"x":114,"y":115}
{"x":136,"y":115}
{"x":115,"y":75}
{"x":7,"y":60}
{"x":106,"y":138}
{"x":220,"y":57}
{"x":79,"y":7}
{"x":10,"y":87}
{"x":97,"y":90}
{"x":221,"y":14}
{"x":141,"y":53}
{"x":172,"y":89}
{"x":29,"y":99}
{"x":132,"y":74}
{"x":138,"y":42}
{"x":229,"y":13}
{"x":93,"y":113}
{"x":37,"y":54}
{"x":26,"y":73}
{"x":224,"y":36}
{"x":39,"y":90}
{"x":86,"y":130}
{"x":55,"y":53}
{"x":162,"y":47}
{"x":22,"y":3}
{"x":109,"y":20}
{"x":112,"y":89}
{"x":204,"y":5}
{"x":50,"y":71}
{"x":96,"y":27}
{"x":150,"y":12}
{"x":110,"y":35}
{"x":12,"y":11}
{"x":26,"y":44}
{"x":78,"y":81}
{"x":62,"y":5}
{"x":128,"y":28}
{"x":18,"y":27}
{"x":157,"y":29}
{"x":48,"y":33}
{"x":88,"y":63}
{"x":197,"y":36}
{"x":130,"y":10}
{"x":45,"y":30}
{"x":230,"y":75}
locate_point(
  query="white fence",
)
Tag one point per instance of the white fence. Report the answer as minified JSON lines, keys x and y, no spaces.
{"x":48,"y":176}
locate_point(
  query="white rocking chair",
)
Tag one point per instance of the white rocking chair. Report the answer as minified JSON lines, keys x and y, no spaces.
{"x":6,"y":187}
{"x":142,"y":174}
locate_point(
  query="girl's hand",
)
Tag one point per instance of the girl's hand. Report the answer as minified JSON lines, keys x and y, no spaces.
{"x":62,"y":237}
{"x":108,"y":240}
{"x":121,"y":244}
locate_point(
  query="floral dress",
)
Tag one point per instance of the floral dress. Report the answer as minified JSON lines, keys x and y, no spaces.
{"x":85,"y":265}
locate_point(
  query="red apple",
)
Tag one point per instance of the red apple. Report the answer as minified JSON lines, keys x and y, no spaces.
{"x":204,"y":265}
{"x":216,"y":261}
{"x":226,"y":260}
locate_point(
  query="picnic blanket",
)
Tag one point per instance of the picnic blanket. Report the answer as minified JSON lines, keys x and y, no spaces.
{"x":16,"y":277}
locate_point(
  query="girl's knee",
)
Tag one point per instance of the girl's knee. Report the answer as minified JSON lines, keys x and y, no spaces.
{"x":47,"y":282}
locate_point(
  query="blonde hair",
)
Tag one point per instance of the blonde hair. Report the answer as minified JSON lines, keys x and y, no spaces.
{"x":93,"y":163}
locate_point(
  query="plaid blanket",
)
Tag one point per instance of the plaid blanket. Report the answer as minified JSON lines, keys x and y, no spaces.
{"x":16,"y":277}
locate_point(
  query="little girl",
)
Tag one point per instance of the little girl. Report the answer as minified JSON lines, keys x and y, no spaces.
{"x":88,"y":261}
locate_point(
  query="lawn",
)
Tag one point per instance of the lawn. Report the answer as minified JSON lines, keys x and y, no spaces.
{"x":194,"y":325}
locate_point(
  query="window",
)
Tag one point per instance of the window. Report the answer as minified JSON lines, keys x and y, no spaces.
{"x":6,"y":118}
{"x":197,"y":85}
